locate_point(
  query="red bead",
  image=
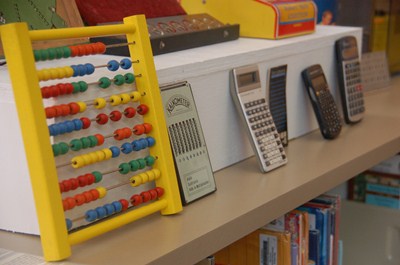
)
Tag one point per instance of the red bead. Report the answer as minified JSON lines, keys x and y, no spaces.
{"x":74,"y":107}
{"x":74,"y":51}
{"x":67,"y":185}
{"x":138,"y":129}
{"x":89,"y":49}
{"x":100,"y":139}
{"x":119,"y":134}
{"x":100,"y":47}
{"x":71,"y":202}
{"x":136,"y":200}
{"x":90,"y":178}
{"x":88,"y":196}
{"x":46,"y":92}
{"x":153,"y":194}
{"x":147,"y":127}
{"x":55,"y":92}
{"x":65,"y":110}
{"x":79,"y":199}
{"x":115,"y":115}
{"x":127,"y":131}
{"x":142,"y":109}
{"x":160,"y":191}
{"x":102,"y":118}
{"x":81,"y":50}
{"x":62,"y":89}
{"x":146,"y":196}
{"x":130,"y":112}
{"x":50,"y":112}
{"x":74,"y":183}
{"x":61,"y":186}
{"x":95,"y":193}
{"x":85,"y":122}
{"x":124,"y":203}
{"x":65,"y":205}
{"x":69,"y":88}
{"x":83,"y":181}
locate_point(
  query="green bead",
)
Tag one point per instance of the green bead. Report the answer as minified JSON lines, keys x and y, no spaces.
{"x":129,"y":78}
{"x":142,"y":163}
{"x":36,"y":54}
{"x":104,"y":82}
{"x":119,"y":80}
{"x":66,"y":52}
{"x":97,"y":176}
{"x":85,"y":142}
{"x":52,"y":53}
{"x":83,"y":86}
{"x":76,"y":87}
{"x":76,"y":144}
{"x":93,"y":140}
{"x":134,"y":165}
{"x":59,"y":52}
{"x":124,"y":168}
{"x":64,"y":148}
{"x":44,"y":55}
{"x":150,"y":160}
{"x":56,"y":149}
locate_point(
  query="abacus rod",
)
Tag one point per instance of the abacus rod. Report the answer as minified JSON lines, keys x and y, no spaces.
{"x":91,"y":31}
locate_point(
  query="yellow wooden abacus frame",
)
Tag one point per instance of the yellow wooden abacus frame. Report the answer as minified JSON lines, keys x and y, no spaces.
{"x":17,"y":43}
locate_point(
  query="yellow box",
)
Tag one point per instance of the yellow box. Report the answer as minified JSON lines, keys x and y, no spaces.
{"x":270,"y":19}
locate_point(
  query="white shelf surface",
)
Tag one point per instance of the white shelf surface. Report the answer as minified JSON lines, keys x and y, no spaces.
{"x":246,"y":199}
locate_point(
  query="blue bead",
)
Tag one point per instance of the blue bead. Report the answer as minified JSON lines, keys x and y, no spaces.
{"x":70,"y":126}
{"x":126,"y":63}
{"x":89,"y":68}
{"x":62,"y":128}
{"x":69,"y":223}
{"x":78,"y":124}
{"x":113,"y":65}
{"x":115,"y":151}
{"x":117,"y":206}
{"x":53,"y":130}
{"x":151,"y":141}
{"x":137,"y":145}
{"x":101,"y":212}
{"x":81,"y":70}
{"x":109,"y":208}
{"x":144,"y":143}
{"x":126,"y":148}
{"x":91,"y":215}
{"x":75,"y":68}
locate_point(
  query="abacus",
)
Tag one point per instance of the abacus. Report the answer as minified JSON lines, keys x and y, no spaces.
{"x":98,"y":151}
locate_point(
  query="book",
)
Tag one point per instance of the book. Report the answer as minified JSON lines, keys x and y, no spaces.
{"x":313,"y":246}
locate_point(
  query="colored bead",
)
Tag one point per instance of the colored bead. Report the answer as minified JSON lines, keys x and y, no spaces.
{"x":100,"y":103}
{"x":71,"y":203}
{"x":89,"y":68}
{"x":69,"y":126}
{"x":112,"y":65}
{"x":101,"y":118}
{"x":153,"y":194}
{"x":142,"y":109}
{"x":151,"y":175}
{"x":160,"y":191}
{"x":150,"y":160}
{"x":117,"y":206}
{"x":93,"y":140}
{"x":95,"y":193}
{"x":151,"y":141}
{"x":157,"y":172}
{"x":109,"y":208}
{"x":46,"y":92}
{"x":145,"y":177}
{"x":134,"y":164}
{"x":64,"y":148}
{"x":115,"y":115}
{"x":147,"y":127}
{"x":78,"y":124}
{"x":135,"y":96}
{"x":77,"y":162}
{"x":74,"y":108}
{"x":66,"y":52}
{"x":65,"y":110}
{"x":107,"y":153}
{"x":56,"y":149}
{"x":119,"y":80}
{"x":98,"y":176}
{"x":126,"y":63}
{"x":125,"y":98}
{"x":85,"y":122}
{"x":83,"y":86}
{"x":115,"y":151}
{"x":130,"y":112}
{"x":67,"y":185}
{"x":128,"y":132}
{"x":89,"y":196}
{"x":146,"y":196}
{"x":85,"y":142}
{"x":76,"y":87}
{"x":124,"y":168}
{"x":129,"y":78}
{"x":142,"y":163}
{"x":138,"y":129}
{"x":79,"y":199}
{"x":136,"y":200}
{"x":82,"y":106}
{"x":74,"y":51}
{"x":137,"y":145}
{"x":65,"y":205}
{"x":90,"y":215}
{"x":74,"y":183}
{"x":101,"y":212}
{"x":68,"y":70}
{"x":102,"y":191}
{"x":115,"y":100}
{"x":61,"y":186}
{"x":135,"y":181}
{"x":90,"y":178}
{"x":36,"y":54}
{"x":50,"y":112}
{"x":126,"y":148}
{"x":125,"y":204}
{"x":76,"y":145}
{"x":83,"y":181}
{"x":100,"y":139}
{"x":104,"y":82}
{"x":68,"y":223}
{"x":62,"y":128}
{"x":100,"y":47}
{"x":119,"y":134}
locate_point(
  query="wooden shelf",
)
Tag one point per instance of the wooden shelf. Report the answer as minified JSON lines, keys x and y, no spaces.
{"x":246,"y":199}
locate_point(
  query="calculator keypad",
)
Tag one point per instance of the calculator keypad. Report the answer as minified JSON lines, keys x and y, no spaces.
{"x":355,"y":98}
{"x":331,"y":118}
{"x":265,"y":133}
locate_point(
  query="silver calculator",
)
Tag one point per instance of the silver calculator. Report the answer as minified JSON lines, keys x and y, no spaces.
{"x":245,"y":87}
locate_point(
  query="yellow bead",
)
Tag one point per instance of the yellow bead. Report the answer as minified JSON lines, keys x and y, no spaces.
{"x":135,"y":96}
{"x":107,"y":152}
{"x":82,"y":106}
{"x":125,"y":98}
{"x":94,"y":156}
{"x":135,"y":181}
{"x":115,"y":100}
{"x":102,"y":192}
{"x":151,"y":175}
{"x":101,"y":155}
{"x":54,"y":73}
{"x":88,"y":159}
{"x":100,"y":103}
{"x":157,"y":173}
{"x":78,"y":162}
{"x":145,"y":177}
{"x":68,"y":71}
